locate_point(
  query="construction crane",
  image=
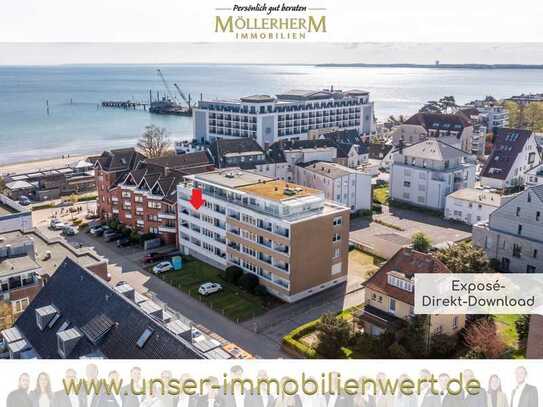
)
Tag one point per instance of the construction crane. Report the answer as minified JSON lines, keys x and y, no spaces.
{"x":168,"y":92}
{"x":187,"y":100}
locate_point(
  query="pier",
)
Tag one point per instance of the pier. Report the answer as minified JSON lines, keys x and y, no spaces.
{"x":126,"y":104}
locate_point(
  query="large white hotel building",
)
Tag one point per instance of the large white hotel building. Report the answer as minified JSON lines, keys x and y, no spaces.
{"x":289,"y":115}
{"x":295,"y":241}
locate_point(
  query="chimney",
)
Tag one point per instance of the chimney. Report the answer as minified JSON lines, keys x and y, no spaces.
{"x":127,"y":291}
{"x":67,"y":341}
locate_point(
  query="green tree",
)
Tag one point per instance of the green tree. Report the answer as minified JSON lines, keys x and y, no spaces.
{"x":534,"y":116}
{"x":464,"y":258}
{"x":415,"y":337}
{"x":248,"y":282}
{"x":443,"y":346}
{"x":397,"y":351}
{"x":421,"y":242}
{"x":481,"y":338}
{"x":516,"y":113}
{"x":333,"y":334}
{"x":522,"y":326}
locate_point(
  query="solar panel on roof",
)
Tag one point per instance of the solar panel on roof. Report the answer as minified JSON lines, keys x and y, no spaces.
{"x":97,"y":327}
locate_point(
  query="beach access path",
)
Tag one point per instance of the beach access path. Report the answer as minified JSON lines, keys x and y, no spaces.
{"x":40,"y":165}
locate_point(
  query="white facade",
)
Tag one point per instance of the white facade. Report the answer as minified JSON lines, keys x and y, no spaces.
{"x":534,"y":176}
{"x":425,"y":173}
{"x":526,"y":159}
{"x":340,"y":184}
{"x":14,"y":217}
{"x":471,"y":205}
{"x":268,"y":119}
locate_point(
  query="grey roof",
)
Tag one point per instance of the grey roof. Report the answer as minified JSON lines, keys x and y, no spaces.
{"x":508,"y":143}
{"x":231,"y":178}
{"x":17,"y":265}
{"x":378,"y":151}
{"x":433,"y":149}
{"x":538,"y":190}
{"x":439,"y":121}
{"x":220,"y":148}
{"x":103,"y":316}
{"x":16,"y":185}
{"x":120,"y":159}
{"x":328,"y":169}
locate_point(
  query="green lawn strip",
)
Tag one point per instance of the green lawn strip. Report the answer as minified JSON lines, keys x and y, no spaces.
{"x":233,"y":302}
{"x":506,"y":329}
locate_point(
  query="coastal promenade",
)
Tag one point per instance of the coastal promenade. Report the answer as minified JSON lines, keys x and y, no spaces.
{"x":40,"y":165}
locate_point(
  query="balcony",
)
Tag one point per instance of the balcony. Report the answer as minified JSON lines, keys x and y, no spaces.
{"x":168,"y":215}
{"x":280,"y":248}
{"x":167,"y":229}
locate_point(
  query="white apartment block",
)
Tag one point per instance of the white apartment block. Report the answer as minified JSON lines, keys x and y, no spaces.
{"x":471,"y":205}
{"x":289,"y":236}
{"x":534,"y":176}
{"x":346,"y":186}
{"x":423,"y":174}
{"x":290,"y":115}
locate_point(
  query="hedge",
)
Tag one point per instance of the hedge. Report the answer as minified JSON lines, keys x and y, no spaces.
{"x":291,"y":340}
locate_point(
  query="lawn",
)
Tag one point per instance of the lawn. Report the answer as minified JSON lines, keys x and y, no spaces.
{"x":381,"y":195}
{"x":362,"y":264}
{"x":505,"y":325}
{"x":232,"y":301}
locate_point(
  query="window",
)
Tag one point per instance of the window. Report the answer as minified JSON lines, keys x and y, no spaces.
{"x":529,"y":198}
{"x":407,"y":184}
{"x":392,"y":305}
{"x":517,"y":250}
{"x":138,"y":198}
{"x":530,"y":269}
{"x":534,"y":255}
{"x":153,"y":205}
{"x":20,"y":305}
{"x":337,"y":253}
{"x":336,"y":238}
{"x":337,"y":221}
{"x":336,"y":268}
{"x":537,"y":215}
{"x":519,"y":230}
{"x":455,"y":322}
{"x":144,"y":337}
{"x":518,"y":211}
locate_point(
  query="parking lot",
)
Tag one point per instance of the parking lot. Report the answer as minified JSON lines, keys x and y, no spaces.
{"x":393,"y":229}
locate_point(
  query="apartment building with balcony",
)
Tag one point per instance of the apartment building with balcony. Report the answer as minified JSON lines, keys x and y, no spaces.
{"x":344,"y":185}
{"x":140,"y":192}
{"x":514,"y":153}
{"x":20,"y":278}
{"x":534,"y":176}
{"x":471,"y":205}
{"x":513,"y":233}
{"x":424,"y":173}
{"x":288,"y":235}
{"x":390,"y":295}
{"x":290,"y":115}
{"x":453,"y":129}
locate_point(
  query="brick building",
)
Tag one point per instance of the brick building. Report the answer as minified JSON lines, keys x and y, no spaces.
{"x":141,"y":192}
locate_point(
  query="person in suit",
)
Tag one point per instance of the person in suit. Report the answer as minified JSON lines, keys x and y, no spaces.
{"x":91,"y":376}
{"x":154,"y":396}
{"x":364,"y":398}
{"x":132,"y":394}
{"x":112,"y":398}
{"x":233,"y":394}
{"x":473,"y":400}
{"x":404,"y":400}
{"x":337,"y":396}
{"x":63,"y":399}
{"x":20,"y":397}
{"x":211,"y":396}
{"x":286,"y":398}
{"x":183,"y":399}
{"x":168,"y":400}
{"x":495,"y":396}
{"x":382,"y":399}
{"x":426,"y":397}
{"x":42,"y":396}
{"x":524,"y":394}
{"x":261,"y":396}
{"x":446,"y":399}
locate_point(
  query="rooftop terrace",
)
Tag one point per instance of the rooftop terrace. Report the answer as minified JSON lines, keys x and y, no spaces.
{"x":279,"y":190}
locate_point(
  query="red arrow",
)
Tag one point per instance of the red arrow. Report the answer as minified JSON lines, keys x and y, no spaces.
{"x":196,"y":199}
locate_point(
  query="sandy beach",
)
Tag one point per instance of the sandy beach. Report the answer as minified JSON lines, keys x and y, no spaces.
{"x":40,"y":165}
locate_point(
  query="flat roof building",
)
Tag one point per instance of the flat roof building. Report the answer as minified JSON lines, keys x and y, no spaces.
{"x":287,"y":235}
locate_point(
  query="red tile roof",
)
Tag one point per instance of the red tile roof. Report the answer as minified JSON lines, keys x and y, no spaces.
{"x":408,"y":262}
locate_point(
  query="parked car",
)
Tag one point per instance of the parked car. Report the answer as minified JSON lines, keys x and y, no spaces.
{"x":91,"y":215}
{"x":123,"y":242}
{"x":97,"y":230}
{"x":111,"y":235}
{"x":209,"y":288}
{"x":23,"y":200}
{"x":162,"y":267}
{"x":153,"y":257}
{"x":69,"y":231}
{"x":56,"y":224}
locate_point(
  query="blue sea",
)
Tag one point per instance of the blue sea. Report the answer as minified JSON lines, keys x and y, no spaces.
{"x":75,"y":124}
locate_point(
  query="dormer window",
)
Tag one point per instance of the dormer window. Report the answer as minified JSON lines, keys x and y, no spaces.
{"x":398,"y":282}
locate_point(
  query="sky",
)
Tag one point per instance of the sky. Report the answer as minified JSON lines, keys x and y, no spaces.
{"x":181,"y":31}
